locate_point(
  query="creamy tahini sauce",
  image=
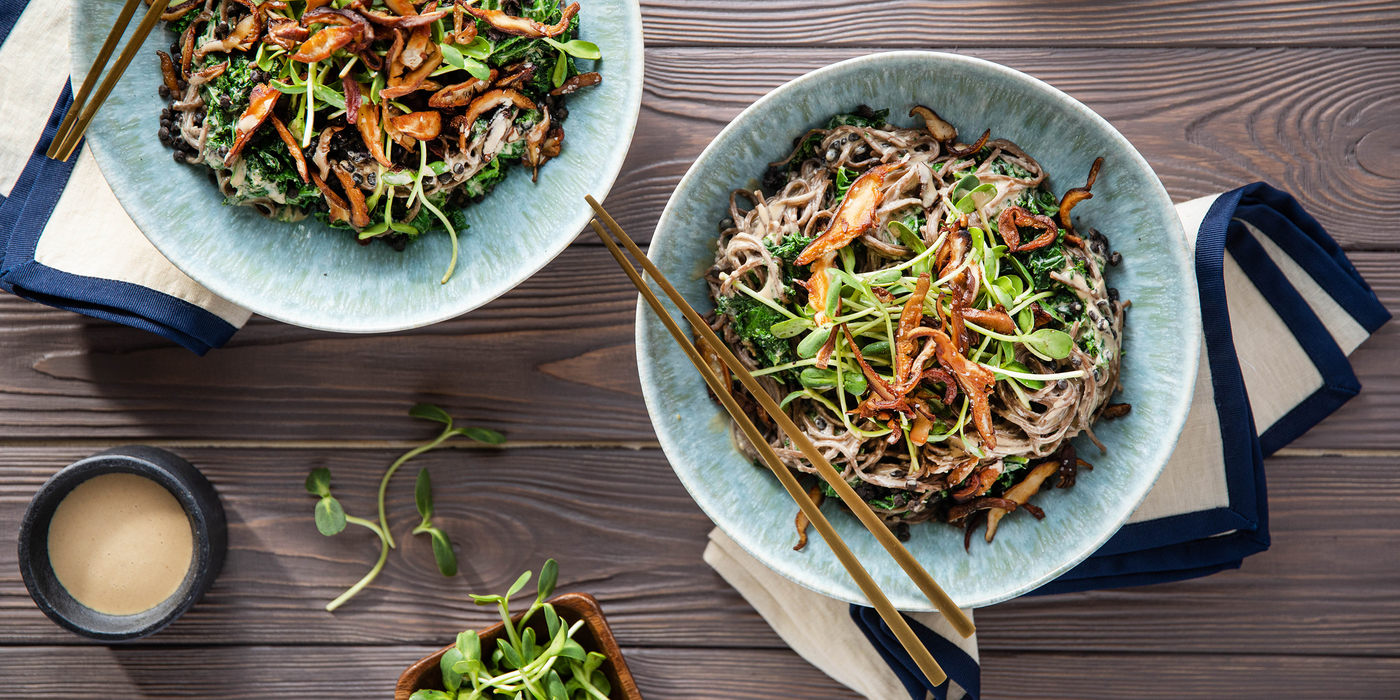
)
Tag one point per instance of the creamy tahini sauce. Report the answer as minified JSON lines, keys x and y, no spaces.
{"x":120,"y":543}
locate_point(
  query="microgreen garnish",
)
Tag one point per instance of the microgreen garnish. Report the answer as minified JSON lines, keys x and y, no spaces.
{"x":529,"y":662}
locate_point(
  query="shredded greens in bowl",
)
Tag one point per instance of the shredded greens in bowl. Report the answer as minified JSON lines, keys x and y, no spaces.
{"x":386,"y":118}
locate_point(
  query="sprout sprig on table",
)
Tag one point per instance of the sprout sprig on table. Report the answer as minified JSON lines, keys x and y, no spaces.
{"x":331,"y":518}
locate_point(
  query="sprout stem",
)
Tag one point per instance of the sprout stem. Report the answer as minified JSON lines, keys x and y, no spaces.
{"x":378,"y":566}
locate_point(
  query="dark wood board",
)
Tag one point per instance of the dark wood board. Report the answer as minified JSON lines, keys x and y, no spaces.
{"x":626,"y":531}
{"x":1318,"y":123}
{"x":1301,"y":93}
{"x":551,"y":361}
{"x":356,"y":673}
{"x":916,"y":24}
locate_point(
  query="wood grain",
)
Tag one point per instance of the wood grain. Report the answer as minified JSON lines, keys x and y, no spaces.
{"x":553,"y":360}
{"x":692,"y":674}
{"x":912,"y":24}
{"x":625,"y":531}
{"x":1318,"y":123}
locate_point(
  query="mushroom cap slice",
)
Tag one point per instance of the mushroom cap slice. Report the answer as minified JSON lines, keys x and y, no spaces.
{"x":524,"y":26}
{"x":460,"y":95}
{"x":323,"y":43}
{"x":491,"y":100}
{"x":853,"y":218}
{"x":260,"y":104}
{"x":424,"y":126}
{"x":936,"y":126}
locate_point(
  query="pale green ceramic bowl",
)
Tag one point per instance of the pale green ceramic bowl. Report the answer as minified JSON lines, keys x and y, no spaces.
{"x":1162,"y":338}
{"x":310,"y":275}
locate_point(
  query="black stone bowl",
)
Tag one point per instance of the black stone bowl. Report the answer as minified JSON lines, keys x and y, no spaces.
{"x":189,"y":487}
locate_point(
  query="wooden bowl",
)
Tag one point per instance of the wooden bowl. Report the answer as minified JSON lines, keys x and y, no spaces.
{"x":572,"y":607}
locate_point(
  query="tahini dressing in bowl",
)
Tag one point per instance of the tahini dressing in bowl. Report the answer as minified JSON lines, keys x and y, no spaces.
{"x":120,"y":543}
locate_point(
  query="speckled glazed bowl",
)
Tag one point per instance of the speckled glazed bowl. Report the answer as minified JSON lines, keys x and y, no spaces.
{"x":1162,"y":338}
{"x":309,"y":275}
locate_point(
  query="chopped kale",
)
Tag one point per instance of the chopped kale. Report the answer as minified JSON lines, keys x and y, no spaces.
{"x":753,"y":322}
{"x":863,"y":116}
{"x":236,"y":83}
{"x":1042,"y":261}
{"x":876,"y":496}
{"x":844,"y":178}
{"x":1009,"y":169}
{"x":789,"y":247}
{"x":1038,"y":201}
{"x":485,"y":179}
{"x":273,"y":164}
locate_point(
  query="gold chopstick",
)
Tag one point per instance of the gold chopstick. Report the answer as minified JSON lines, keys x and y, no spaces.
{"x":74,"y":125}
{"x":857,"y":505}
{"x":848,"y":559}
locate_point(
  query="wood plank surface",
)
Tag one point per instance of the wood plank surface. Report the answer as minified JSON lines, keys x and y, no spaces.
{"x":354,"y":673}
{"x":625,"y":530}
{"x":1318,"y":123}
{"x":1304,"y":94}
{"x":1076,"y":24}
{"x":551,"y":361}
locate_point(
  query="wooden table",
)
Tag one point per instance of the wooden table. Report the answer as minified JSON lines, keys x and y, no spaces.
{"x":1302,"y":93}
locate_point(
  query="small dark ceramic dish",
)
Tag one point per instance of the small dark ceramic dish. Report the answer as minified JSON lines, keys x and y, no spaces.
{"x":593,"y":636}
{"x":189,"y":487}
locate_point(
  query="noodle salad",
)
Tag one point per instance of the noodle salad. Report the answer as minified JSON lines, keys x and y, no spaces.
{"x":382,"y":117}
{"x":926,"y":312}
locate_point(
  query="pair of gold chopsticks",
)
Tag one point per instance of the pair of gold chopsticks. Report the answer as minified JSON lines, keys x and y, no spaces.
{"x":872,"y":522}
{"x":81,"y":112}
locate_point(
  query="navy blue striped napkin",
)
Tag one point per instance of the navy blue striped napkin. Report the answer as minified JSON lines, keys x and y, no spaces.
{"x":64,"y":239}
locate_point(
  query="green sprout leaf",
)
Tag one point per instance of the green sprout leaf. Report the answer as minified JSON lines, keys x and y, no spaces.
{"x":485,"y":435}
{"x":814,"y":341}
{"x":330,"y":516}
{"x":572,"y":650}
{"x":577,"y":48}
{"x":965,"y":185}
{"x":549,"y":576}
{"x":1015,"y":366}
{"x":510,"y":654}
{"x":555,"y":687}
{"x":479,"y":48}
{"x":423,"y":494}
{"x":451,"y":679}
{"x":318,"y":482}
{"x":551,"y":620}
{"x":790,"y":327}
{"x":1050,"y":342}
{"x":977,"y":197}
{"x":431,"y":412}
{"x":561,"y":70}
{"x":519,"y":584}
{"x":432,"y":694}
{"x":485,"y":599}
{"x":452,"y":56}
{"x":442,"y":552}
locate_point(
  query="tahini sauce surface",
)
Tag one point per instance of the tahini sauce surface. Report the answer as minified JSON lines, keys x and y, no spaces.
{"x":120,"y":543}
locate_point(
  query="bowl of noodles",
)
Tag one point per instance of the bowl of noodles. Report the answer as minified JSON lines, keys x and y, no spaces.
{"x":966,"y":288}
{"x":365,"y":166}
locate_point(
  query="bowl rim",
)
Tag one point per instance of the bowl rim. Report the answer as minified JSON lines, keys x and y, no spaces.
{"x":208,"y":526}
{"x":1189,"y":368}
{"x":227,"y":289}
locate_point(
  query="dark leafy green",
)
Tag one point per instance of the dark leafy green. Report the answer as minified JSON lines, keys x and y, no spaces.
{"x":752,"y":321}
